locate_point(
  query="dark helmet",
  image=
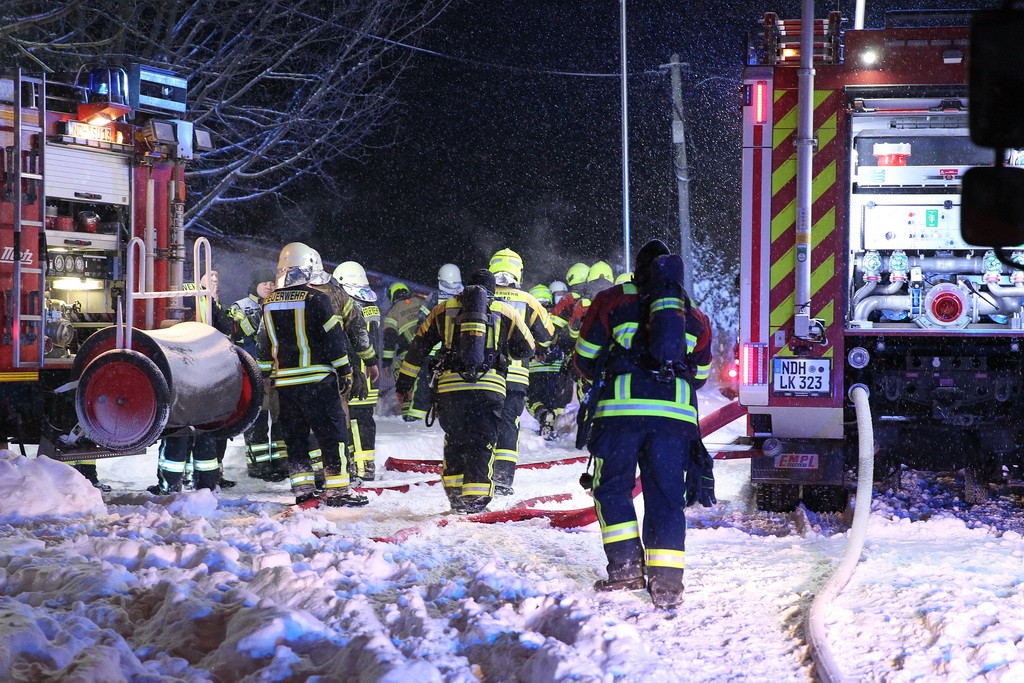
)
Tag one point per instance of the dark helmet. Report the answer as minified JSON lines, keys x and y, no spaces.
{"x":483,"y":278}
{"x":644,"y":258}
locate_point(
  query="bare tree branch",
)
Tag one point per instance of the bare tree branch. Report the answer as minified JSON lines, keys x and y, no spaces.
{"x":286,"y":87}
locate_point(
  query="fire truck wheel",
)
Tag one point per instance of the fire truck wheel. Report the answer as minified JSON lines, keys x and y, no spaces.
{"x":250,"y":400}
{"x":122,"y":400}
{"x":823,"y":498}
{"x":778,"y":497}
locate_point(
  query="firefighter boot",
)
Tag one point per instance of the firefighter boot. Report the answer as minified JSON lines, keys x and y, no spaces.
{"x":623,"y":576}
{"x":343,"y":498}
{"x":666,"y":590}
{"x":546,"y":418}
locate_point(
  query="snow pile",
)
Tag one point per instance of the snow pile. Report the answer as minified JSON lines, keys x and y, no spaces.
{"x":41,"y":487}
{"x":233,"y":586}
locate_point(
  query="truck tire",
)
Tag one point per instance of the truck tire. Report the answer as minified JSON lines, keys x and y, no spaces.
{"x":778,"y":497}
{"x":824,"y":498}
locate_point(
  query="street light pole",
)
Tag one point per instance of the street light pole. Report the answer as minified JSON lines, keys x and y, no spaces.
{"x":625,"y":140}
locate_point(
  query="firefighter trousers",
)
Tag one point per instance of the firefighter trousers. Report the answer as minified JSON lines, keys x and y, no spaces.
{"x":422,"y":396}
{"x":470,"y":423}
{"x":263,"y":446}
{"x":313,"y":407}
{"x":661,"y":448}
{"x":174,"y":454}
{"x":550,"y":392}
{"x":364,"y":440}
{"x":506,"y":446}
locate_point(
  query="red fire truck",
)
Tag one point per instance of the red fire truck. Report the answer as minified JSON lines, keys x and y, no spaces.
{"x":859,"y":277}
{"x":88,"y":162}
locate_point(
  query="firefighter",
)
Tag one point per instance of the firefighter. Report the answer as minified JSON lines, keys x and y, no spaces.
{"x":549,"y":393}
{"x":645,"y":417}
{"x":473,"y":361}
{"x":350,"y":316}
{"x":266,"y":457}
{"x":304,"y":348}
{"x":399,"y":324}
{"x":624,"y":278}
{"x":192,"y":458}
{"x":558,"y":290}
{"x":507,"y":267}
{"x":449,"y":283}
{"x":365,"y":391}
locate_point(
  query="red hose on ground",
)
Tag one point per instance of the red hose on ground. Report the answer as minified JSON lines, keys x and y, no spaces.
{"x":566,"y":519}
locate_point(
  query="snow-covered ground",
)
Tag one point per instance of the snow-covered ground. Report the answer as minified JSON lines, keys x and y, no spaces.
{"x":229,"y":587}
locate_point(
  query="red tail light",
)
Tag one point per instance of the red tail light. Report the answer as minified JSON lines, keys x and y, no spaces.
{"x":754,"y":364}
{"x":760,"y":102}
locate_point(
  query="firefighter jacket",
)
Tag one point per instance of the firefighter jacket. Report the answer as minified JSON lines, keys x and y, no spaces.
{"x":220,"y":320}
{"x":245,"y":315}
{"x":537,"y":321}
{"x":400,"y":327}
{"x":560,"y":315}
{"x":508,"y":336}
{"x":301,"y":340}
{"x":371,"y":317}
{"x":626,"y":390}
{"x":351,"y":318}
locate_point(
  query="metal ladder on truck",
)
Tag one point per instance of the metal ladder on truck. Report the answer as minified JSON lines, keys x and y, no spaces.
{"x":28,"y":324}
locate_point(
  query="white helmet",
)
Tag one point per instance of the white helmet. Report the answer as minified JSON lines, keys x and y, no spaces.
{"x":449,"y":278}
{"x":558,"y":290}
{"x":297,"y":264}
{"x":353,"y":278}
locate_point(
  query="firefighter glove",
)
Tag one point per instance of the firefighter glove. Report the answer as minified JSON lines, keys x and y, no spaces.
{"x":360,"y":389}
{"x":700,"y":476}
{"x":345,"y":383}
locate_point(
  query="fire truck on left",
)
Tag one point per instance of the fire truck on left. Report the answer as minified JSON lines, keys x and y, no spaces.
{"x":87,"y":163}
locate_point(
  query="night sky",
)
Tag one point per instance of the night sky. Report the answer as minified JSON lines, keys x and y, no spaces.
{"x":481,"y":158}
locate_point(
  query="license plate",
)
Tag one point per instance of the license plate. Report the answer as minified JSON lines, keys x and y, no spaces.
{"x":802,"y":376}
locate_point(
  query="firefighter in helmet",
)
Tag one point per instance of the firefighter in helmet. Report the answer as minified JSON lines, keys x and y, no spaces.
{"x":365,"y":391}
{"x":558,"y":290}
{"x":478,"y":336}
{"x":350,"y":316}
{"x":304,"y":349}
{"x":507,"y":267}
{"x":266,"y":457}
{"x":645,"y":413}
{"x":549,"y":393}
{"x":400,"y":324}
{"x":449,"y":283}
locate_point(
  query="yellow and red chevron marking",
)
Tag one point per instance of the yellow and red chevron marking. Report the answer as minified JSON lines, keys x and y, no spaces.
{"x":827,"y":243}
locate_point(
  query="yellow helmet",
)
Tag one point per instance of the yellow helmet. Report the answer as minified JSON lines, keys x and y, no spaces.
{"x":601,"y":271}
{"x":541,"y":293}
{"x":507,"y":261}
{"x":624,"y":278}
{"x":577,"y":274}
{"x":398,"y":290}
{"x":297,"y":255}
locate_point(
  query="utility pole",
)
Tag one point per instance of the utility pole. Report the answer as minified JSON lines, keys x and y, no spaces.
{"x":682,"y":169}
{"x":626,"y":257}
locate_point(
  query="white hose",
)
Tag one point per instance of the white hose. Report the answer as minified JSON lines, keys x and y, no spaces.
{"x":827,"y":669}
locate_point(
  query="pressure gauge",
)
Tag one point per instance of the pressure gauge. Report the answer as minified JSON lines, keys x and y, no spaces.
{"x":58,"y":263}
{"x":79,"y":264}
